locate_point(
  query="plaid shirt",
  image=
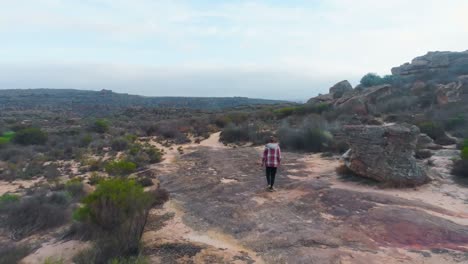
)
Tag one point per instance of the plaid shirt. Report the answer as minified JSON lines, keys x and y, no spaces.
{"x":271,"y":156}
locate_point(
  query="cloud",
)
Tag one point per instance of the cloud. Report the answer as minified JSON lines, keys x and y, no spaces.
{"x":320,"y":42}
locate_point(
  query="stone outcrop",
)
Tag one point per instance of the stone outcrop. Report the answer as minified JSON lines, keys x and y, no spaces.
{"x":448,"y":93}
{"x":359,"y":104}
{"x":340,"y":88}
{"x":433,"y":62}
{"x":384,"y":153}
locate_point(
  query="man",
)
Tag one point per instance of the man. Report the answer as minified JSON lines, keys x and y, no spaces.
{"x":271,"y":160}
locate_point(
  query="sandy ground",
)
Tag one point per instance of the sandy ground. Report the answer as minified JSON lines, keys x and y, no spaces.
{"x":55,"y":251}
{"x":17,"y":185}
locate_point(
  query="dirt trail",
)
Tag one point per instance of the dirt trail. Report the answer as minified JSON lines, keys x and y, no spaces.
{"x":220,"y":213}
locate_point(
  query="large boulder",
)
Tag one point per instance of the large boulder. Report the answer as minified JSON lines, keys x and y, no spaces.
{"x":340,"y":88}
{"x":384,"y":153}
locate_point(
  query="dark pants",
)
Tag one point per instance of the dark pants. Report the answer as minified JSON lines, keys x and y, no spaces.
{"x":270,"y":175}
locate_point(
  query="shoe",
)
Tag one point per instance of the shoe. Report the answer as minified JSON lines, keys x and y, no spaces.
{"x":268,"y":187}
{"x":271,"y":189}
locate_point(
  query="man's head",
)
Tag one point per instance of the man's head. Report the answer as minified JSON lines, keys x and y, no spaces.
{"x":272,"y":139}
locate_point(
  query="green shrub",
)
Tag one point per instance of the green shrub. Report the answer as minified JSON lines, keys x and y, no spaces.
{"x":8,"y":198}
{"x":143,"y":155}
{"x":371,"y":79}
{"x":302,"y":110}
{"x":30,"y":136}
{"x":118,"y":208}
{"x":100,"y":126}
{"x":120,"y":167}
{"x":433,"y":130}
{"x":464,"y":153}
{"x":6,"y":137}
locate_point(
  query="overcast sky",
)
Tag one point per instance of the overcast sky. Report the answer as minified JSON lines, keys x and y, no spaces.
{"x":268,"y":49}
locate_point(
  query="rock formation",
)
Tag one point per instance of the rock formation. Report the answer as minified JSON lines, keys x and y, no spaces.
{"x":340,"y":88}
{"x":384,"y":153}
{"x":435,"y":62}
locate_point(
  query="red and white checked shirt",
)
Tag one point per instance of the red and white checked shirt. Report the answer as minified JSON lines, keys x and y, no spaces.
{"x":271,"y":155}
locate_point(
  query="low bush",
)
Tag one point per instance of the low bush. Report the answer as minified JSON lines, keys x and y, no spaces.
{"x":232,"y":133}
{"x":12,"y":253}
{"x":35,"y":213}
{"x":302,"y":110}
{"x":244,"y":133}
{"x":464,"y":153}
{"x":75,"y":188}
{"x":311,"y":136}
{"x":160,"y":196}
{"x":30,"y":136}
{"x":117,"y":210}
{"x":373,"y":79}
{"x":95,"y":178}
{"x":100,"y":126}
{"x":145,"y":181}
{"x":8,"y":198}
{"x":460,"y":167}
{"x":144,"y":154}
{"x":6,"y":137}
{"x":120,"y":144}
{"x":433,"y":130}
{"x":120,"y":167}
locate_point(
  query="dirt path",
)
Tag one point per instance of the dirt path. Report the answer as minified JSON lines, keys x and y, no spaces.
{"x":220,"y":213}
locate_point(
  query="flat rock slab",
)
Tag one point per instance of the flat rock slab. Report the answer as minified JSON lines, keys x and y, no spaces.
{"x":307,"y":220}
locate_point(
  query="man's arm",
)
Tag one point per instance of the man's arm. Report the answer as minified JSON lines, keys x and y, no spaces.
{"x":279,"y":155}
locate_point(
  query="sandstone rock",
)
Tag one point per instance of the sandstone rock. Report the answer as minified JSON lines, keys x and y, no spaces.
{"x":359,"y":104}
{"x":448,"y":93}
{"x":323,"y":98}
{"x":385,"y":153}
{"x":340,"y":88}
{"x":432,"y":62}
{"x":424,"y":141}
{"x":418,"y":87}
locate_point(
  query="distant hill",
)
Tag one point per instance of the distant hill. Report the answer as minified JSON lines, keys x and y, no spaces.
{"x":70,"y":99}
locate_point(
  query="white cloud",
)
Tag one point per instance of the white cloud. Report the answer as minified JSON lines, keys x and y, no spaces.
{"x":332,"y":40}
